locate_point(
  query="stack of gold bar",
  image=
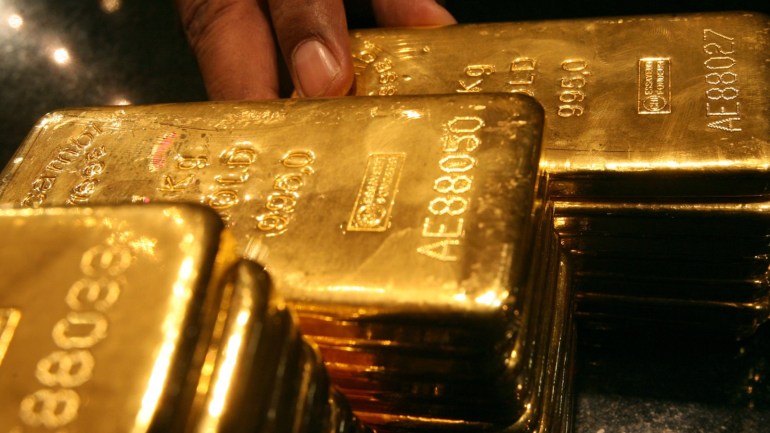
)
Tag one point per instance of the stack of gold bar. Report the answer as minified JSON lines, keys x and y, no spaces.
{"x":408,"y":233}
{"x":656,"y":141}
{"x":680,"y":267}
{"x":141,"y":319}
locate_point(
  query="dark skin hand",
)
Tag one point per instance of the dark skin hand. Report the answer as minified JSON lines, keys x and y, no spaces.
{"x":235,"y":42}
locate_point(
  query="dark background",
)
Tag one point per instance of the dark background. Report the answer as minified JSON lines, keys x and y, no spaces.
{"x":134,"y":51}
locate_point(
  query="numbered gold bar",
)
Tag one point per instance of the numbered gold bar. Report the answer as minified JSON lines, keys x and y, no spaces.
{"x":414,"y":217}
{"x":139,"y":319}
{"x":678,"y":101}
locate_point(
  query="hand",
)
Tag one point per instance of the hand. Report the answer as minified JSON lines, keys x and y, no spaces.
{"x":234,"y":42}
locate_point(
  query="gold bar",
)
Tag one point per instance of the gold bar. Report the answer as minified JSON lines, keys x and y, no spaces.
{"x":412,"y":216}
{"x":143,"y":313}
{"x":389,"y":183}
{"x":679,"y":101}
{"x":701,"y":266}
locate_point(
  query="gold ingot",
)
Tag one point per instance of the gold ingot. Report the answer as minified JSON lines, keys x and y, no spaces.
{"x":699,"y":266}
{"x":140,"y":319}
{"x":412,"y":216}
{"x":354,"y":187}
{"x":680,"y":102}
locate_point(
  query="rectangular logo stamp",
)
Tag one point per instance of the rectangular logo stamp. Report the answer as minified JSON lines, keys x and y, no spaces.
{"x":374,"y":202}
{"x":654,"y":85}
{"x":9,"y":320}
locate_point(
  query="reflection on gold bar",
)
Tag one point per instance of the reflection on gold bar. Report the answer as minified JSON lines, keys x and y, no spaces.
{"x":409,"y":217}
{"x":681,"y":96}
{"x":698,"y":266}
{"x":128,"y":319}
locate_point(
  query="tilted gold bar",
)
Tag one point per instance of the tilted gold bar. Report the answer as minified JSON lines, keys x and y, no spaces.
{"x":411,"y":216}
{"x":680,"y":101}
{"x":139,"y":319}
{"x":449,"y":180}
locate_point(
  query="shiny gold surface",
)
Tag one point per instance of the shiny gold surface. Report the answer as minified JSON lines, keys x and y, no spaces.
{"x":107,"y":300}
{"x":259,"y":374}
{"x":685,"y":97}
{"x":431,"y":185}
{"x":401,"y":229}
{"x":126,"y":319}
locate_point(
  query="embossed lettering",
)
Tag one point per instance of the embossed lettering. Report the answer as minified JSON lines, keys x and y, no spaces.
{"x":80,"y":330}
{"x":572,"y":92}
{"x":98,"y":294}
{"x":446,"y":210}
{"x":281,"y":203}
{"x":522,"y":75}
{"x":721,"y":78}
{"x":441,"y":250}
{"x":65,"y":369}
{"x":65,"y":156}
{"x":238,"y":156}
{"x":169,"y":184}
{"x":50,"y":408}
{"x":77,"y":332}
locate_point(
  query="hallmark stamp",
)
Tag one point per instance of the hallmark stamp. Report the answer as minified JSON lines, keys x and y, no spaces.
{"x":654,"y":85}
{"x":374,"y":202}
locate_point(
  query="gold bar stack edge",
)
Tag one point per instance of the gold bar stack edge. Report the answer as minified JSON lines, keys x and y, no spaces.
{"x":141,"y":318}
{"x":659,"y":119}
{"x":408,"y":233}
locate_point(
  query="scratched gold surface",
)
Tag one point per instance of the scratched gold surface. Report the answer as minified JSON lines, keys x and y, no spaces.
{"x":680,"y":101}
{"x":401,"y":229}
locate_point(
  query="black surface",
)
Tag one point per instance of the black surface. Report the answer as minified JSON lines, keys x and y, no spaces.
{"x":626,"y":382}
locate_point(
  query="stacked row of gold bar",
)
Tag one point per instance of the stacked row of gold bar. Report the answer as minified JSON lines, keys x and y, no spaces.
{"x":408,"y":233}
{"x":656,"y":146}
{"x":429,"y":245}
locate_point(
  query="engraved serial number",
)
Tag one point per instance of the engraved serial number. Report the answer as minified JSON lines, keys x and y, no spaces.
{"x":722,"y":105}
{"x":446,"y":210}
{"x":62,"y":371}
{"x":281,"y":203}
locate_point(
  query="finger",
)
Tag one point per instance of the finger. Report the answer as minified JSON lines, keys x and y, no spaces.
{"x":233,"y":42}
{"x":313,"y":37}
{"x":403,"y":13}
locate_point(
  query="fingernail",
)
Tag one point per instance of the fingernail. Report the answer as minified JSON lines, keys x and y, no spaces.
{"x":315,"y":67}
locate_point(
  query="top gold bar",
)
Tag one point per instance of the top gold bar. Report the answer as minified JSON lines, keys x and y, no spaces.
{"x":682,"y":98}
